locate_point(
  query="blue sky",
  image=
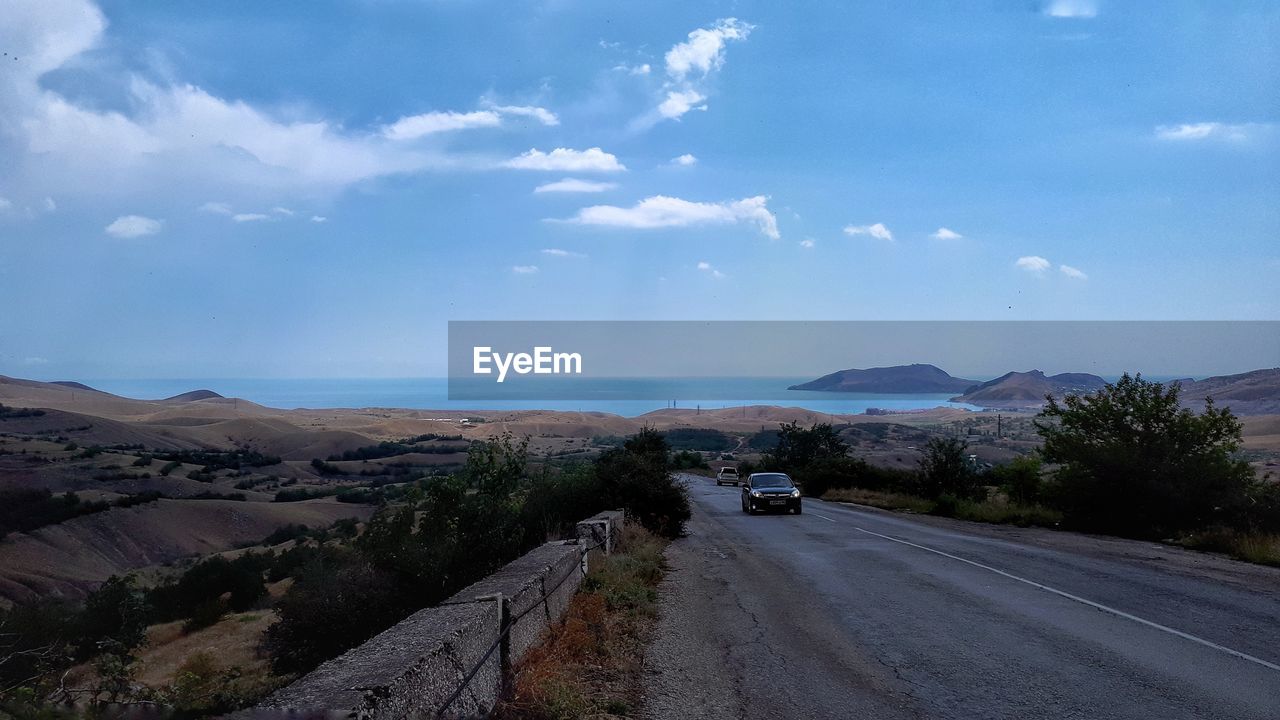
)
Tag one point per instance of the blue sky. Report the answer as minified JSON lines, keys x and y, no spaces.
{"x":313,"y":189}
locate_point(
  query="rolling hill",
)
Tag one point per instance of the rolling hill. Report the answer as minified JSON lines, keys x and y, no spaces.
{"x":1028,"y":389}
{"x":1252,"y":393}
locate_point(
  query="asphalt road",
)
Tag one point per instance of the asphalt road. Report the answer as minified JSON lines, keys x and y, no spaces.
{"x":845,"y":612}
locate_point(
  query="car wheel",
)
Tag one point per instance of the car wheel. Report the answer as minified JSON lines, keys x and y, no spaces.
{"x":797,"y":509}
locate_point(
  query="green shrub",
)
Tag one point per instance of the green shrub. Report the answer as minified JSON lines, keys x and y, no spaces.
{"x":1020,"y":479}
{"x":636,"y":477}
{"x":1135,"y":462}
{"x":945,"y":470}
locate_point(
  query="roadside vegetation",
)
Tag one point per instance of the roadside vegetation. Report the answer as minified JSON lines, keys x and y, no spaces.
{"x":590,"y":664}
{"x":323,"y":591}
{"x":1128,"y":460}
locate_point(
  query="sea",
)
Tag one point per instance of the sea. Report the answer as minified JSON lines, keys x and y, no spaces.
{"x":604,"y":396}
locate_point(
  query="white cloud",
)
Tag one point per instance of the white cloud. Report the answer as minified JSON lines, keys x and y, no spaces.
{"x":282,"y":211}
{"x":679,"y":102}
{"x":557,"y":252}
{"x":946,"y":234}
{"x":634,"y":69}
{"x":575,"y":185}
{"x":807,"y":243}
{"x":35,"y":360}
{"x":541,"y":114}
{"x":706,"y":267}
{"x":1071,"y":8}
{"x":319,"y":219}
{"x":132,"y":226}
{"x":219,"y":208}
{"x":416,"y":126}
{"x":1207,"y":131}
{"x":5,"y":203}
{"x":688,"y":66}
{"x":170,"y":134}
{"x":250,"y":217}
{"x":661,"y":211}
{"x":878,"y":231}
{"x":1033,"y":264}
{"x":568,"y":160}
{"x":50,"y":205}
{"x":524,"y":269}
{"x":704,"y":50}
{"x":686,"y":160}
{"x":1071,"y":272}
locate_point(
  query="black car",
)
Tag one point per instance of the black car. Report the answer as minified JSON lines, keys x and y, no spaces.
{"x":763,"y":492}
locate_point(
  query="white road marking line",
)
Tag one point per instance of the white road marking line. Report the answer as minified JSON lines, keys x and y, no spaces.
{"x":1077,"y":598}
{"x":824,"y":517}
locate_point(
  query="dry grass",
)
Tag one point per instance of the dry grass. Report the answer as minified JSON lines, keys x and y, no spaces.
{"x":884,"y":500}
{"x":233,"y":640}
{"x":998,"y":511}
{"x":590,"y":666}
{"x":1260,"y":548}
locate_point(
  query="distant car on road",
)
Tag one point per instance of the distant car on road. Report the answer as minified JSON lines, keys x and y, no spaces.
{"x":763,"y":492}
{"x":727,"y":475}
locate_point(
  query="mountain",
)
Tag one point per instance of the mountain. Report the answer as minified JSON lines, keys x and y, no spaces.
{"x":1028,"y":389}
{"x":916,"y":378}
{"x":1252,"y":393}
{"x":195,"y":395}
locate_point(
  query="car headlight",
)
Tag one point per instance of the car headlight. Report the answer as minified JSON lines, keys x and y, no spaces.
{"x":795,"y":492}
{"x":755,"y":493}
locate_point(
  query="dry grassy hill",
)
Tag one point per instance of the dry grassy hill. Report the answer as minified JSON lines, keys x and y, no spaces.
{"x":72,"y":557}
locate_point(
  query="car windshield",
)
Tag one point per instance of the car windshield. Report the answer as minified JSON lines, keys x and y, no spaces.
{"x":729,"y":471}
{"x":771,"y":481}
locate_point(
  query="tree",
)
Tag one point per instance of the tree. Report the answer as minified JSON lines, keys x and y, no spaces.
{"x":114,"y":616}
{"x":1134,"y":461}
{"x":1020,"y":479}
{"x":797,"y":447}
{"x":637,"y":477}
{"x":945,"y":470}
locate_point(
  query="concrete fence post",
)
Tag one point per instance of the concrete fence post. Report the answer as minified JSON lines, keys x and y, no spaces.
{"x":504,"y":638}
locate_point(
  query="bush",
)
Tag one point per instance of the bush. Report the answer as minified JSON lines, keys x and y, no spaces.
{"x":207,"y":582}
{"x":325,"y":468}
{"x":330,"y":609}
{"x":946,"y":505}
{"x":698,"y":439}
{"x":945,"y":470}
{"x":636,"y":477}
{"x":688,"y":460}
{"x":1020,"y":479}
{"x":26,"y":509}
{"x":206,"y":614}
{"x":116,"y":614}
{"x":1134,"y":462}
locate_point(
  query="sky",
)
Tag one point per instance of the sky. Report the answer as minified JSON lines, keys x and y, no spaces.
{"x":313,"y":189}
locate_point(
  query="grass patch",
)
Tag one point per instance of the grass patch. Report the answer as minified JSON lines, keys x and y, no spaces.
{"x":1004,"y":512}
{"x":881,"y":499}
{"x":998,"y":511}
{"x":1260,"y":548}
{"x":590,"y":666}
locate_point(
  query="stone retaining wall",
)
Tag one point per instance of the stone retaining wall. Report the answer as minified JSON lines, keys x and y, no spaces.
{"x":411,"y":669}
